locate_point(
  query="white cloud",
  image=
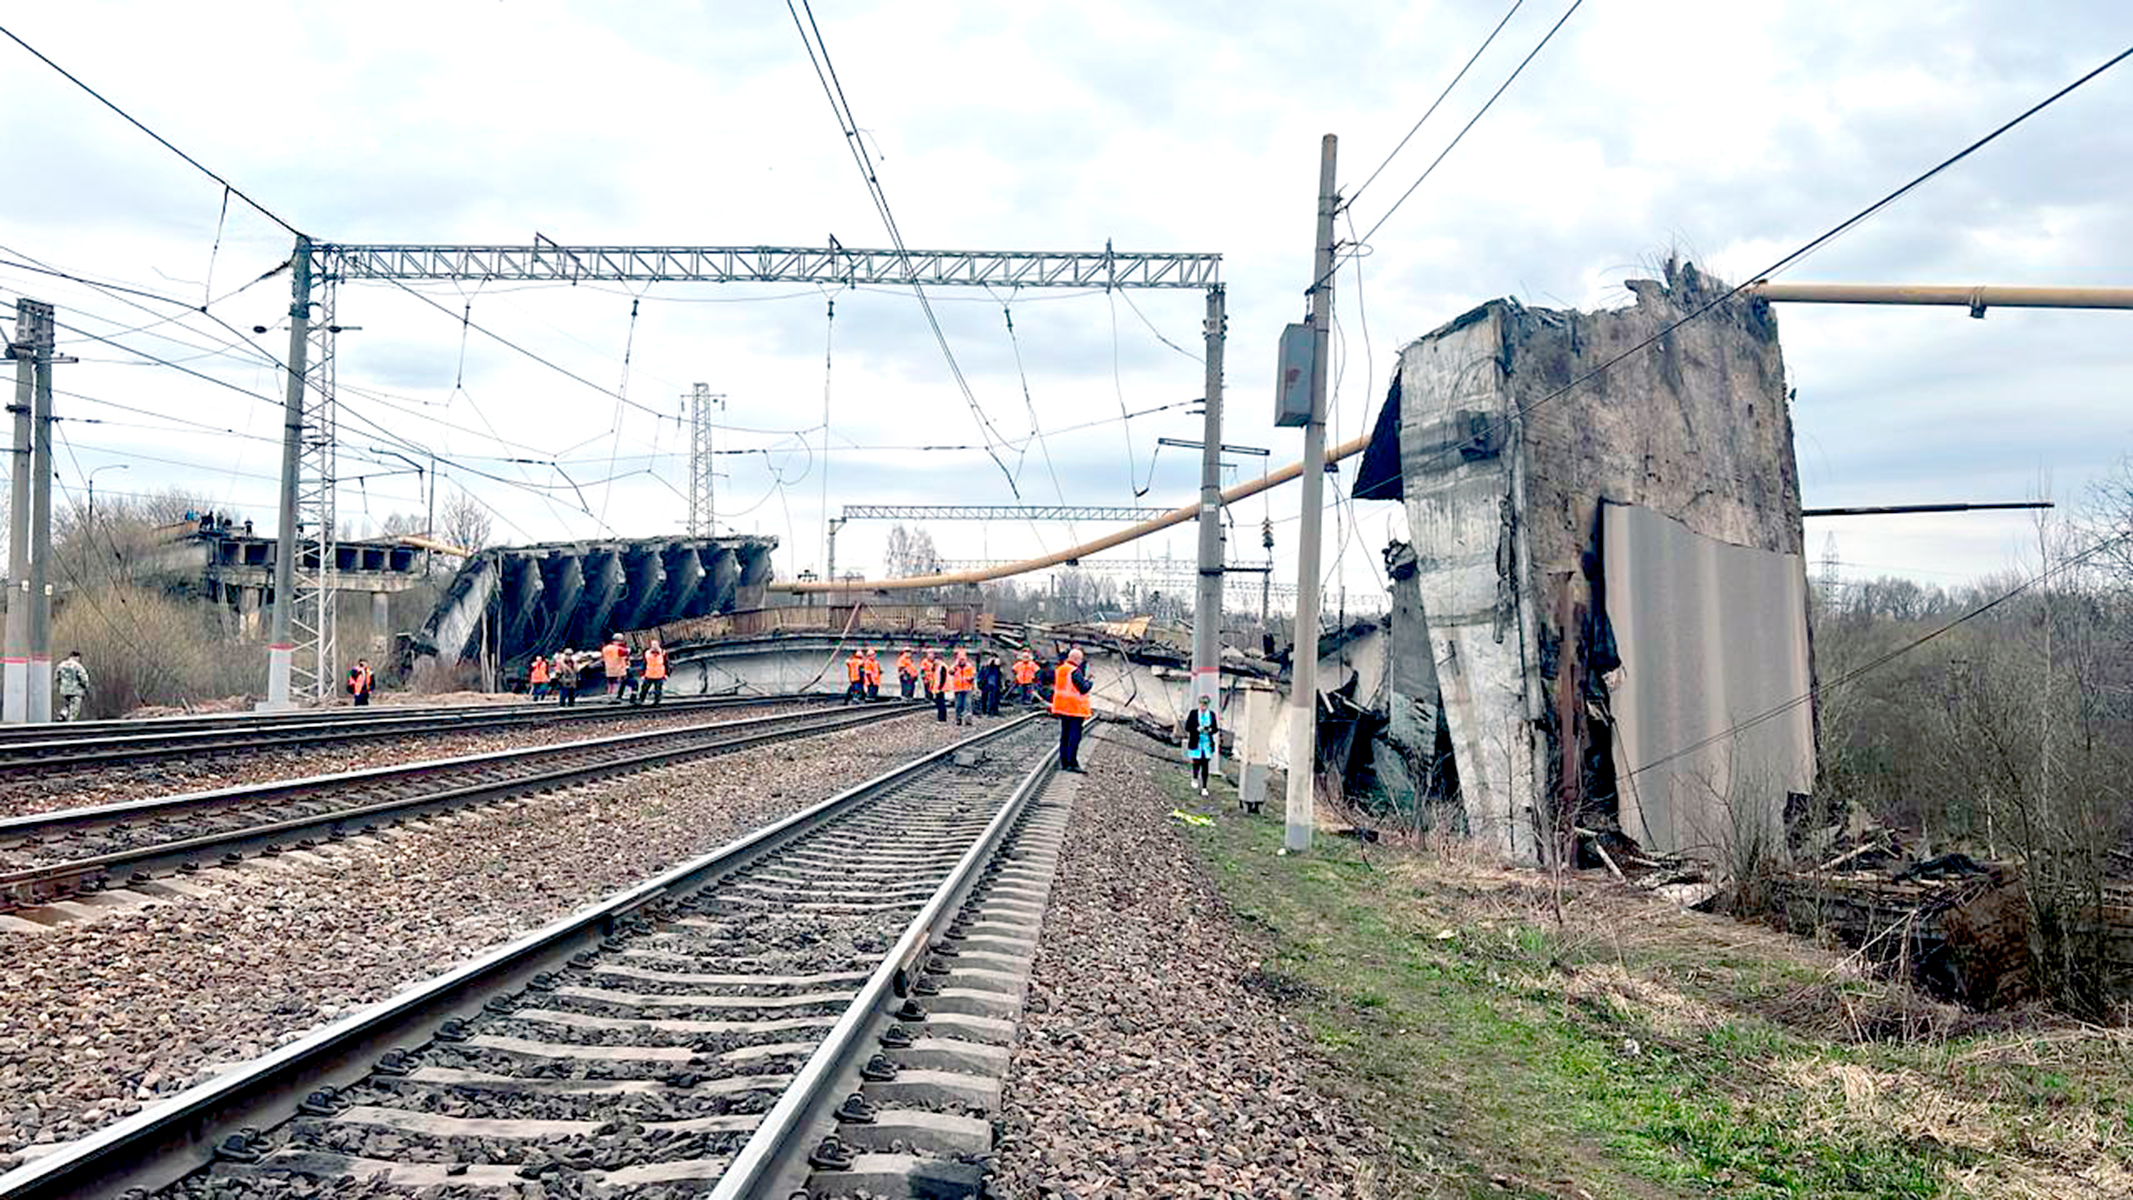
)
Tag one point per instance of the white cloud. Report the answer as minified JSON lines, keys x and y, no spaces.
{"x":1733,"y":132}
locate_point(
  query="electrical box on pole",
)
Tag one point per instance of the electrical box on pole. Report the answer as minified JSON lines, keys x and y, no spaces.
{"x":1292,"y":393}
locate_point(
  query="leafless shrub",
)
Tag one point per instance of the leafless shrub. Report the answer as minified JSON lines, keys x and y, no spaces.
{"x":144,"y":648}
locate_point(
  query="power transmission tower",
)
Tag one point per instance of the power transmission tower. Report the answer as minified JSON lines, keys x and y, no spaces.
{"x":703,"y":513}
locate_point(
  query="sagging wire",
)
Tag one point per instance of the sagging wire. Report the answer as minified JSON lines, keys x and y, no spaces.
{"x":1036,"y":429}
{"x":207,"y":289}
{"x":829,"y":350}
{"x":1118,"y":385}
{"x":622,"y":393}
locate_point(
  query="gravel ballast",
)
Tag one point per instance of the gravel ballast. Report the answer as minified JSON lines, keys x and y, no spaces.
{"x":105,"y":1016}
{"x":1147,"y":1063}
{"x":86,"y":787}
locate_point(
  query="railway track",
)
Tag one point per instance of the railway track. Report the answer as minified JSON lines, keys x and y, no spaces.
{"x":42,"y":749}
{"x":53,"y":855}
{"x":824,"y":1004}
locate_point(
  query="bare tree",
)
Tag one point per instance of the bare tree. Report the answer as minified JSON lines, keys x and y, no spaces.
{"x":402,"y":525}
{"x":910,"y":553}
{"x":465,"y":521}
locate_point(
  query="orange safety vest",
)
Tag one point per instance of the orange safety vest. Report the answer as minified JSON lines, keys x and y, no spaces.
{"x":655,"y":663}
{"x":962,"y":675}
{"x":615,"y":660}
{"x":1068,"y":700}
{"x":904,"y":668}
{"x":871,"y":668}
{"x":1025,"y":671}
{"x":852,"y":668}
{"x":359,"y":681}
{"x":935,"y":672}
{"x":538,"y":672}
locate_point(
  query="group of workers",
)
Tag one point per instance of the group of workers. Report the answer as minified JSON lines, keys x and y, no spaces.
{"x":972,"y":689}
{"x":630,"y":675}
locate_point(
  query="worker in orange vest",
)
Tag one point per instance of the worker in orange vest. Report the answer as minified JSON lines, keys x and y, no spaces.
{"x":537,"y":677}
{"x":361,"y":682}
{"x":934,"y":672}
{"x":1070,"y":703}
{"x":615,"y":664}
{"x":1025,"y":676}
{"x":870,"y":672}
{"x":906,"y":672}
{"x":855,"y":671}
{"x":655,"y":673}
{"x":962,"y":677}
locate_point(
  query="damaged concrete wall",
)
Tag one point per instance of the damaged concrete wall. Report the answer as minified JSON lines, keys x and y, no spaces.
{"x":1505,"y":465}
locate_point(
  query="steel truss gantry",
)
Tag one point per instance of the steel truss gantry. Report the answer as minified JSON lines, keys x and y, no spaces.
{"x":315,"y":664}
{"x":834,"y":264}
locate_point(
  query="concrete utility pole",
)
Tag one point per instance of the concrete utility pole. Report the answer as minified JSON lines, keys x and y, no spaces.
{"x":40,"y":666}
{"x":1207,"y":606}
{"x":30,"y":317}
{"x":281,"y":651}
{"x":1303,"y":657}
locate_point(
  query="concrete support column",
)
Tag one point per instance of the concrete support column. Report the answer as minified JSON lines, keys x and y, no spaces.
{"x":248,"y":602}
{"x":380,"y":621}
{"x":1252,"y":744}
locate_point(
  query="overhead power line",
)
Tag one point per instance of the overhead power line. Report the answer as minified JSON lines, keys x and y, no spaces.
{"x":1433,"y":105}
{"x":1810,"y":247}
{"x":130,"y":119}
{"x":1463,"y":130}
{"x":848,"y":124}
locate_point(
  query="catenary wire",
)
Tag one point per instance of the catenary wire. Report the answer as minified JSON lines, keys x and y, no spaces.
{"x":1434,"y":104}
{"x":130,"y":119}
{"x":1805,"y":250}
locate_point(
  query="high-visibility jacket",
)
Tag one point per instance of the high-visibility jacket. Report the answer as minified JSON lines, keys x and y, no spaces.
{"x":853,"y":668}
{"x":935,"y":673}
{"x":962,"y":676}
{"x":538,"y":672}
{"x":655,"y":663}
{"x":615,"y":660}
{"x":904,"y":669}
{"x":1068,"y":700}
{"x":1025,"y":671}
{"x":360,"y":681}
{"x":870,"y":669}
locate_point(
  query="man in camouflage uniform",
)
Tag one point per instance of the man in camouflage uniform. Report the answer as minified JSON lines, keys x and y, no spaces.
{"x":71,"y":683}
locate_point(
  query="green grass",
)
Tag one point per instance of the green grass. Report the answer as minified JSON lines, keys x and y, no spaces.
{"x":1492,"y":1078}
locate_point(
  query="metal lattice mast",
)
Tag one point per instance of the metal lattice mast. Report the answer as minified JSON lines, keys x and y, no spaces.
{"x":703,"y":512}
{"x":314,"y":611}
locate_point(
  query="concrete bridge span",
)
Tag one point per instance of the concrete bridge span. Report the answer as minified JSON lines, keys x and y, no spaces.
{"x":509,"y":603}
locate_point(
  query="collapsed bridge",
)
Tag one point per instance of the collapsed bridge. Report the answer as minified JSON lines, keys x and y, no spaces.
{"x":508,"y":604}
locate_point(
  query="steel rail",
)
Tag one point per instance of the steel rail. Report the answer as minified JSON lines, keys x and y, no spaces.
{"x":774,"y":1159}
{"x":642,"y":750}
{"x":159,"y":1145}
{"x":96,"y":750}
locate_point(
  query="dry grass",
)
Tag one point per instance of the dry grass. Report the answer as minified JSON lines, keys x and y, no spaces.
{"x":2023,"y":1103}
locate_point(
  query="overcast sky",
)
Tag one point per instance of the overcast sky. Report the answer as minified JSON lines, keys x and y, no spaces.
{"x":1730,"y":133}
